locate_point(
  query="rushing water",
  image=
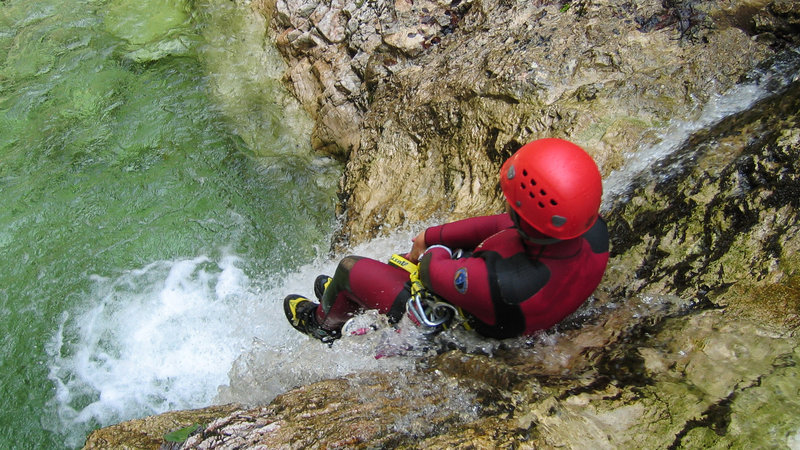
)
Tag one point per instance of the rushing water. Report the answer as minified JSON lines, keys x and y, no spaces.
{"x":154,"y":181}
{"x":640,"y":162}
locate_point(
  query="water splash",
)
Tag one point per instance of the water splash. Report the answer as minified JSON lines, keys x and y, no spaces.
{"x":152,"y":339}
{"x":272,"y":367}
{"x":167,"y":335}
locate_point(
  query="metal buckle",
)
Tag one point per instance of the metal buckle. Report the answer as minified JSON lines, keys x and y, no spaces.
{"x":431,"y":313}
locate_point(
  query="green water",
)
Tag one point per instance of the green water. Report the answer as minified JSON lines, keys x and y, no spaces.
{"x":134,"y":131}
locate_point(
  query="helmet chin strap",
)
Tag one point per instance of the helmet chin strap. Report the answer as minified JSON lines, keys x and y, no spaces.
{"x":542,"y":239}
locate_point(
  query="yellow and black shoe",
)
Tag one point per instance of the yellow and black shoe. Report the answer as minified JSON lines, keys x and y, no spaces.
{"x":301,"y":313}
{"x":320,"y":284}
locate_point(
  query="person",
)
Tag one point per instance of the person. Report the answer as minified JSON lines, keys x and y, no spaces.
{"x":513,"y":274}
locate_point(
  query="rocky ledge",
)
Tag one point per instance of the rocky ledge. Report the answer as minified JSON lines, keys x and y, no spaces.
{"x":691,"y":339}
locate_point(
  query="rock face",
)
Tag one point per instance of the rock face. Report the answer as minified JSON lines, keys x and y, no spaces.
{"x":425,"y":99}
{"x":691,"y":339}
{"x":149,"y":432}
{"x":705,"y":228}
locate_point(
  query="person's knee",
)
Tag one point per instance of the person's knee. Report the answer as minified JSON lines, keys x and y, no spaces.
{"x":348,"y":262}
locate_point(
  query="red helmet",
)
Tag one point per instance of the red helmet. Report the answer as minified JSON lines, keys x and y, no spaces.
{"x":554,"y":186}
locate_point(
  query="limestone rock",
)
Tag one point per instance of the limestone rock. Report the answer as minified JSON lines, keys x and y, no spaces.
{"x":703,"y":227}
{"x":148,"y":433}
{"x":447,"y":90}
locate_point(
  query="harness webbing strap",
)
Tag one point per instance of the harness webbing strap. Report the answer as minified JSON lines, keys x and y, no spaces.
{"x":412,"y":269}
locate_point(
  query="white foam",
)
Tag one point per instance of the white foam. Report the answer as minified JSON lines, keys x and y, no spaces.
{"x":678,"y":131}
{"x":167,"y":335}
{"x":157,"y":338}
{"x":270,"y":368}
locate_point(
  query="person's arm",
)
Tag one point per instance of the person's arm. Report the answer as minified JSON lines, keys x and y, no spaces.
{"x":465,"y":234}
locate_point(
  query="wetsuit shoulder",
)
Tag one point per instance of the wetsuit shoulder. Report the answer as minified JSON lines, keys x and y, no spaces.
{"x":597,"y":236}
{"x":518,"y":277}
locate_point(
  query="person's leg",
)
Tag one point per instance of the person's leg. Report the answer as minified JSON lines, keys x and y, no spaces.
{"x":362,"y":283}
{"x":340,"y":283}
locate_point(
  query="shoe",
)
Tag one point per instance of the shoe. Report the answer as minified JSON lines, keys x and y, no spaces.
{"x":320,"y":284}
{"x":301,"y":313}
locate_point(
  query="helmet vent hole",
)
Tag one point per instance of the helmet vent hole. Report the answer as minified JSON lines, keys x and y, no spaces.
{"x":533,"y":182}
{"x":524,"y":173}
{"x":542,"y":192}
{"x":522,"y":185}
{"x":541,"y":205}
{"x":553,"y":202}
{"x":558,"y":221}
{"x":531,"y":194}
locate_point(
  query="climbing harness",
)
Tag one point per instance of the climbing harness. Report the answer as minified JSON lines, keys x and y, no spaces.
{"x":425,"y":308}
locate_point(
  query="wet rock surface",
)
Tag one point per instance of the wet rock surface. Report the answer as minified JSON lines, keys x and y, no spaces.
{"x":691,"y":339}
{"x":149,"y":432}
{"x":705,"y":230}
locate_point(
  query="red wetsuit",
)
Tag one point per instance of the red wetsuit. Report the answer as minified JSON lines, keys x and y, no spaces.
{"x":509,"y":286}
